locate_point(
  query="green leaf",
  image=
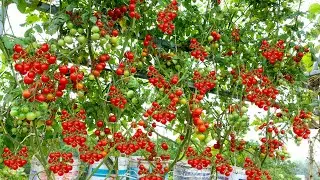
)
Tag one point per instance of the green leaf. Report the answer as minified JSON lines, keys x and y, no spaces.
{"x":32,"y":18}
{"x":21,"y":5}
{"x":38,"y":28}
{"x":314,"y":8}
{"x":33,"y":5}
{"x":93,"y":19}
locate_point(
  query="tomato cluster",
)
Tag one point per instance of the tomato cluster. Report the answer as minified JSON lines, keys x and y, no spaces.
{"x":273,"y":54}
{"x":106,"y":23}
{"x":222,"y":165}
{"x":60,"y":162}
{"x":74,"y":128}
{"x":14,"y":161}
{"x":166,"y":17}
{"x":116,"y":98}
{"x":199,"y":161}
{"x":157,"y":80}
{"x":138,"y":141}
{"x":233,"y":143}
{"x":34,"y":69}
{"x":253,"y":172}
{"x":235,"y":34}
{"x":214,"y":36}
{"x":259,"y":89}
{"x":300,"y":52}
{"x":204,"y":84}
{"x":198,"y":51}
{"x":132,"y":9}
{"x":101,"y":65}
{"x":161,"y":114}
{"x":126,"y":67}
{"x":300,"y":127}
{"x":148,"y":42}
{"x":89,"y":155}
{"x":197,"y":121}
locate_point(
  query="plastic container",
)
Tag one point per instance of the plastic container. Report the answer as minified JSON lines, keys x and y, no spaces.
{"x":183,"y":171}
{"x":133,"y":167}
{"x":37,"y":171}
{"x":104,"y":172}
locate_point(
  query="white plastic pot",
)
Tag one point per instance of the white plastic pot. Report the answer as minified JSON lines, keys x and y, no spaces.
{"x":37,"y":171}
{"x":103,"y":171}
{"x":133,"y":167}
{"x":183,"y":171}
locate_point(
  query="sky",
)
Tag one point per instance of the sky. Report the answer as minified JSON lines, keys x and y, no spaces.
{"x":298,"y":153}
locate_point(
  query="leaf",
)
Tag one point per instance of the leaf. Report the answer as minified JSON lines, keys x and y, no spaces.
{"x":32,"y":18}
{"x":21,"y":5}
{"x":29,"y":32}
{"x":33,"y":5}
{"x":314,"y":8}
{"x":93,"y":19}
{"x":38,"y":28}
{"x":307,"y":62}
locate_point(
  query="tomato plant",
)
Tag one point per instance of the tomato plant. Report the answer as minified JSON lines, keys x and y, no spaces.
{"x":118,"y":73}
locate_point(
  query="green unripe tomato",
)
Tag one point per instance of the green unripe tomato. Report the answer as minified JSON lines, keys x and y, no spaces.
{"x":82,"y":39}
{"x":126,"y":73}
{"x":91,"y":77}
{"x":14,"y":112}
{"x":102,"y":133}
{"x":135,"y":101}
{"x":68,"y":39}
{"x":114,"y":41}
{"x":31,"y":116}
{"x":201,"y":137}
{"x":24,"y":130}
{"x":210,"y":38}
{"x":61,"y":42}
{"x":21,"y":116}
{"x":95,"y":36}
{"x":35,"y":45}
{"x":245,"y":118}
{"x":103,"y":41}
{"x":95,"y":29}
{"x":174,"y":61}
{"x":130,"y":94}
{"x":19,"y":122}
{"x":70,"y":25}
{"x":38,"y":114}
{"x":73,"y":32}
{"x":183,"y":101}
{"x":80,"y":30}
{"x":108,"y":47}
{"x":236,"y":115}
{"x":168,"y":63}
{"x":216,"y":45}
{"x":178,"y":67}
{"x":53,"y":48}
{"x":14,"y":130}
{"x":43,"y":106}
{"x":140,"y":64}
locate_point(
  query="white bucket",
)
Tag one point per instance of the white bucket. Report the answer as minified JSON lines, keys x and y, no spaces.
{"x":37,"y":171}
{"x":104,"y":172}
{"x":183,"y":171}
{"x":133,"y":168}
